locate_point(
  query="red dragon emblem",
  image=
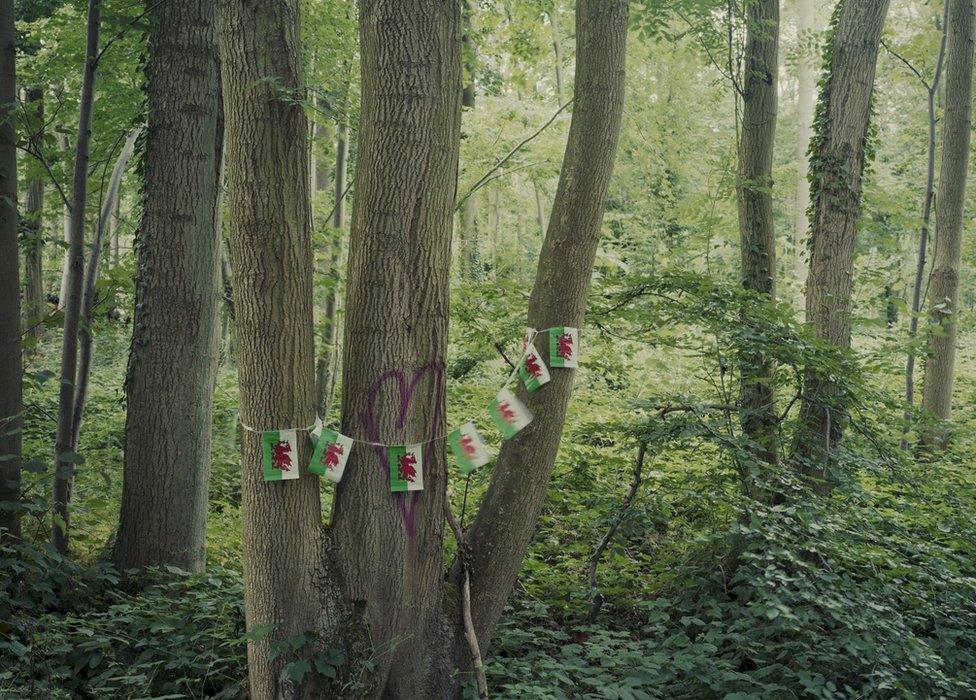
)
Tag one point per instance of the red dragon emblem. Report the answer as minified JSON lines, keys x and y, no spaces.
{"x":281,"y":455}
{"x":532,"y":365}
{"x":506,"y":412}
{"x":467,"y":444}
{"x":407,"y":466}
{"x":332,"y":454}
{"x":564,"y":346}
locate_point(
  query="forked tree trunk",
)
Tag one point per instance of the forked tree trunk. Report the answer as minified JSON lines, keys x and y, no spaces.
{"x":11,"y":372}
{"x":944,"y":287}
{"x":806,"y":84}
{"x":757,"y":234}
{"x":837,"y":161}
{"x":270,"y":249}
{"x":389,"y":546}
{"x":64,"y":463}
{"x":34,"y":220}
{"x":503,"y":527}
{"x":173,"y":356}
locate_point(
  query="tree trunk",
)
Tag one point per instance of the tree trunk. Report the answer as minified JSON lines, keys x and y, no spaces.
{"x":540,"y":209}
{"x":923,"y":238}
{"x":396,"y":324}
{"x":755,"y":203}
{"x":469,"y":53}
{"x":88,"y":291}
{"x":33,"y":220}
{"x":806,"y":83}
{"x":470,"y":258}
{"x":270,"y":246}
{"x":173,"y":357}
{"x":65,"y":144}
{"x":557,"y":49}
{"x":506,"y":520}
{"x":11,"y":371}
{"x":64,"y":462}
{"x":837,"y":160}
{"x":944,"y":287}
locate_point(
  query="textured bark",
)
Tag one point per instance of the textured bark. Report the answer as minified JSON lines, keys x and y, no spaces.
{"x":837,"y":161}
{"x":270,"y":246}
{"x":64,"y":470}
{"x":944,"y":287}
{"x":502,"y":530}
{"x":173,"y":355}
{"x":754,"y":191}
{"x":85,"y":338}
{"x":33,"y":220}
{"x":11,"y":377}
{"x":932,"y":91}
{"x":396,"y":323}
{"x":806,"y":85}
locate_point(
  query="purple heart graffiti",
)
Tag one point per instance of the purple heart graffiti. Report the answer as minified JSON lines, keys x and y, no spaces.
{"x":406,"y":502}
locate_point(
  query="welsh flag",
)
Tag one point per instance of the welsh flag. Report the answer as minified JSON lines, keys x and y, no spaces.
{"x":468,"y":448}
{"x":330,"y":455}
{"x":280,"y":454}
{"x":406,"y":468}
{"x":532,"y":369}
{"x":527,"y":338}
{"x":564,"y":347}
{"x":509,"y":414}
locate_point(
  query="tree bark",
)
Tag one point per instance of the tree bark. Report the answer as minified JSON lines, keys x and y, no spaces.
{"x":396,"y":324}
{"x":923,"y":238}
{"x":270,"y":246}
{"x":944,"y":286}
{"x":65,"y":466}
{"x":806,"y":84}
{"x":33,"y":220}
{"x":837,"y":160}
{"x":755,"y":204}
{"x":503,"y":527}
{"x":173,"y":357}
{"x":11,"y":371}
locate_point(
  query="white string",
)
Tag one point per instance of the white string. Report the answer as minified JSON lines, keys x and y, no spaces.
{"x":531,"y":336}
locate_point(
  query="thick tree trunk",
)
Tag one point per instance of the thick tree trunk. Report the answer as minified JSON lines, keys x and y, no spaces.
{"x":64,"y":466}
{"x":33,"y":220}
{"x":11,"y":373}
{"x":755,"y":203}
{"x":944,"y":287}
{"x":389,"y":546}
{"x":502,"y":530}
{"x":173,"y":357}
{"x":806,"y":84}
{"x":270,"y":246}
{"x":88,"y":291}
{"x":837,"y":160}
{"x":923,"y":238}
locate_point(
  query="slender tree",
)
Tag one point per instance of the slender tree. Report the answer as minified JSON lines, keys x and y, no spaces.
{"x":503,"y":527}
{"x":754,"y":190}
{"x":805,"y":89}
{"x":11,"y":379}
{"x":944,"y":287}
{"x":64,"y":447}
{"x":837,"y":158}
{"x":33,"y":217}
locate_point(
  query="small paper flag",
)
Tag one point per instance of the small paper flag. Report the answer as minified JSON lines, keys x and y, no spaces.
{"x":509,"y":414}
{"x":527,"y":338}
{"x":532,"y":369}
{"x":316,"y":430}
{"x":280,"y":454}
{"x":330,"y":455}
{"x":468,"y":448}
{"x":564,"y":347}
{"x":406,"y":468}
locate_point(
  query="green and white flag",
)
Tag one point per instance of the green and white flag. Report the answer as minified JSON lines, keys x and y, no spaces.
{"x":468,"y":448}
{"x":564,"y":347}
{"x":406,"y":468}
{"x":509,"y":414}
{"x":532,"y":369}
{"x":280,"y":454}
{"x":330,"y":455}
{"x":530,"y":333}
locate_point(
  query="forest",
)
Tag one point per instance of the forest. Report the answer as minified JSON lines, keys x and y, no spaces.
{"x":616,"y":349}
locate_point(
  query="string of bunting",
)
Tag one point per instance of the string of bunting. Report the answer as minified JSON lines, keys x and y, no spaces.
{"x":406,"y":464}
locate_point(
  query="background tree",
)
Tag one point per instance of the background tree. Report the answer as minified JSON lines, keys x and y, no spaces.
{"x":944,"y":286}
{"x":173,"y":357}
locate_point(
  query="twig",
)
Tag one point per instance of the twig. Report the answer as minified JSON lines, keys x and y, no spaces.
{"x":501,"y":351}
{"x":122,"y":31}
{"x":907,"y":63}
{"x":596,"y":598}
{"x":507,"y":156}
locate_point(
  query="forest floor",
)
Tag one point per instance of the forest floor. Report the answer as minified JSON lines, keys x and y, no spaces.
{"x":873,"y":595}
